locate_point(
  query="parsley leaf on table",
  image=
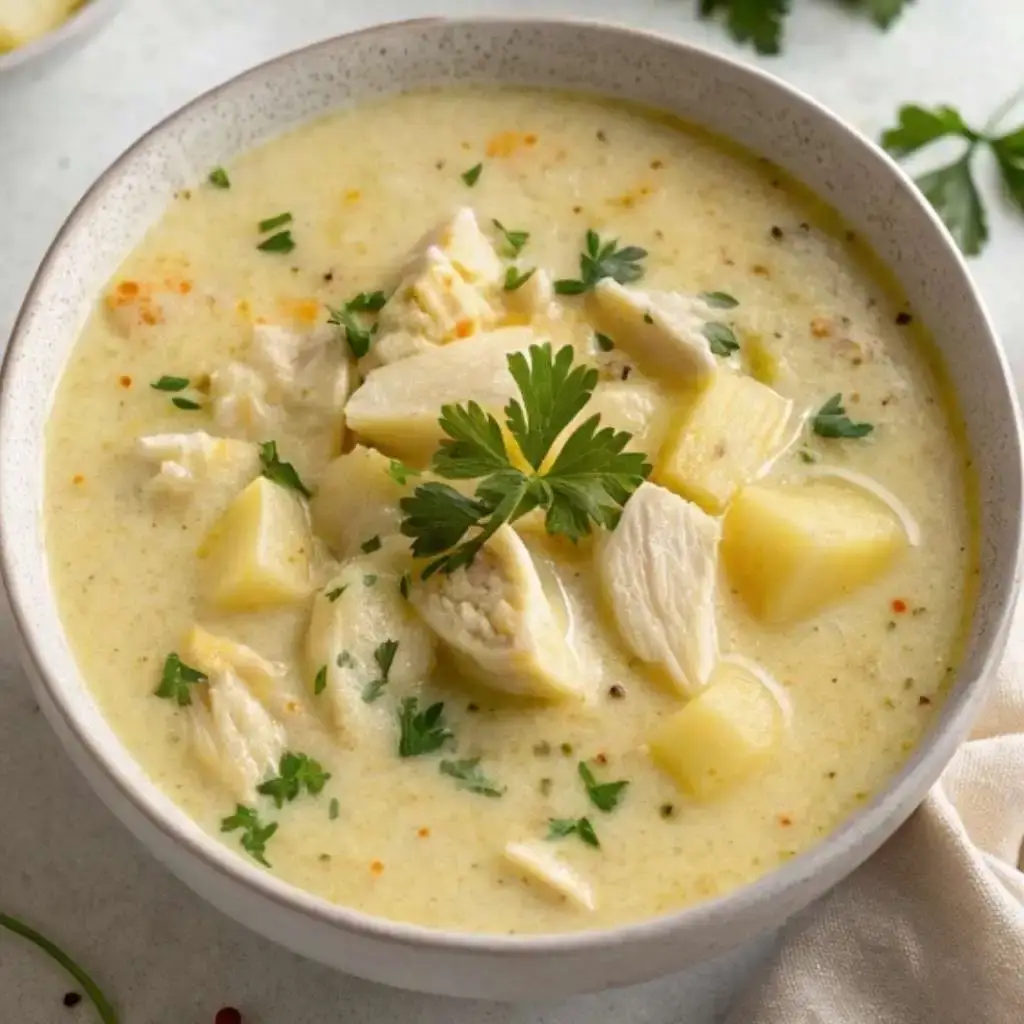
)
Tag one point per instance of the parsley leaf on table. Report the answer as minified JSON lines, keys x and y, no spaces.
{"x":1009,"y":154}
{"x":755,"y":21}
{"x":254,"y":834}
{"x":469,"y":776}
{"x":421,"y":732}
{"x":282,"y":473}
{"x":587,"y":483}
{"x":175,"y":680}
{"x":296,"y":771}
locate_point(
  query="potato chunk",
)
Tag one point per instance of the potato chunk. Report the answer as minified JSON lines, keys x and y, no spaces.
{"x":22,"y":22}
{"x":721,"y":737}
{"x":724,"y":441}
{"x":537,"y":862}
{"x":663,"y":331}
{"x":792,"y":550}
{"x":258,"y":553}
{"x":357,"y":499}
{"x":398,"y":405}
{"x":657,"y":572}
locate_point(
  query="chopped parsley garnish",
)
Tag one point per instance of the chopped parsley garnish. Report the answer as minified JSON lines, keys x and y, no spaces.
{"x":400,"y":472}
{"x":296,"y":771}
{"x":176,"y":679}
{"x":605,"y":796}
{"x":831,"y":421}
{"x":384,"y":655}
{"x":719,"y":300}
{"x":589,"y":481}
{"x":275,"y":222}
{"x":106,"y":1012}
{"x":806,"y":456}
{"x":357,"y":334}
{"x":603,"y":259}
{"x":333,"y":595}
{"x":282,"y":473}
{"x":514,"y":280}
{"x":721,"y":339}
{"x":281,"y":242}
{"x":559,"y":828}
{"x":218,"y":178}
{"x":345,"y":660}
{"x":404,"y":584}
{"x":371,"y":545}
{"x":471,"y":176}
{"x":468,"y":775}
{"x":320,"y":681}
{"x":167,"y":383}
{"x":254,"y":834}
{"x":515,"y":241}
{"x":604,"y":343}
{"x":369,"y":579}
{"x":333,"y":808}
{"x":422,"y":732}
{"x":648,"y":318}
{"x":185,"y":403}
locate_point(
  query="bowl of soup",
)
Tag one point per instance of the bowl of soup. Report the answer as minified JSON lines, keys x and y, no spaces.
{"x":508,"y":508}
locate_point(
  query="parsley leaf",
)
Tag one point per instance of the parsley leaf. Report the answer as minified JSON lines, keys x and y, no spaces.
{"x":471,"y":176}
{"x":604,"y":343}
{"x":885,"y":12}
{"x":369,"y":546}
{"x":588,"y":482}
{"x":320,"y":681}
{"x":469,"y":776}
{"x":514,"y":280}
{"x":559,"y":828}
{"x":357,"y":334}
{"x":281,"y":242}
{"x":719,"y":300}
{"x":367,"y":302}
{"x":404,"y":585}
{"x":919,"y":127}
{"x":188,"y":404}
{"x":1009,"y":154}
{"x":166,"y":383}
{"x":333,"y":808}
{"x":218,"y":178}
{"x":602,"y":259}
{"x":515,"y":241}
{"x":831,"y":421}
{"x":333,"y":595}
{"x":400,"y":472}
{"x":951,"y":190}
{"x":295,"y":772}
{"x":384,"y":655}
{"x":755,"y":21}
{"x":275,"y":222}
{"x":421,"y":732}
{"x":254,"y":834}
{"x":282,"y":473}
{"x":605,"y":796}
{"x":175,"y":680}
{"x":721,"y":338}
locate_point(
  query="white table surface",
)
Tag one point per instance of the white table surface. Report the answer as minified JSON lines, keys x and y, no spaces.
{"x":65,"y":863}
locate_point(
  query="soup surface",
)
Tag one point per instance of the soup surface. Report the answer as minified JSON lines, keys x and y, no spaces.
{"x":633,"y":720}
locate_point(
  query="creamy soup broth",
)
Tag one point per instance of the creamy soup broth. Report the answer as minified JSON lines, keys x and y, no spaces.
{"x":863,"y":676}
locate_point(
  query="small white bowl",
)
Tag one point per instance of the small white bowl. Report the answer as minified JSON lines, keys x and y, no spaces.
{"x":53,"y":47}
{"x":739,"y":102}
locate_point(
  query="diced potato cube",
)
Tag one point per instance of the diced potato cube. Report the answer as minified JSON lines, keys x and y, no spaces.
{"x":792,"y":550}
{"x":539,"y":863}
{"x":721,"y":737}
{"x":257,"y":554}
{"x":724,"y":440}
{"x":357,"y":499}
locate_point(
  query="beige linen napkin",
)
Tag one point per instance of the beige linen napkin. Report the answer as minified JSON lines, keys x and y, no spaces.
{"x":931,"y":929}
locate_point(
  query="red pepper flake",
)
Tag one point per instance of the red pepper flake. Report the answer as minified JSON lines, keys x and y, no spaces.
{"x":601,"y":758}
{"x":785,"y":820}
{"x":78,"y":479}
{"x":423,"y":833}
{"x":377,"y":867}
{"x":228,"y":1015}
{"x":125,"y":381}
{"x":899,"y":606}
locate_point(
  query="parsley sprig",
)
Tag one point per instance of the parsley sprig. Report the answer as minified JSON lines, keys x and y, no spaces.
{"x":357,"y":334}
{"x":951,"y":189}
{"x":588,"y":482}
{"x":254,"y":833}
{"x":468,"y":775}
{"x":295,"y":771}
{"x":176,"y":680}
{"x":760,"y":22}
{"x":515,"y":241}
{"x":282,"y":473}
{"x":831,"y":421}
{"x":559,"y":828}
{"x":601,"y":259}
{"x":421,"y":732}
{"x":384,"y":655}
{"x":605,"y":796}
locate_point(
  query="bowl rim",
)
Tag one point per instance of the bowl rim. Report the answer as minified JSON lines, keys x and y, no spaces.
{"x":88,"y":16}
{"x":929,"y":756}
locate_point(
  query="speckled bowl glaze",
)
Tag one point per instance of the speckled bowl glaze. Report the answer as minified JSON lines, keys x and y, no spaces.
{"x":745,"y":105}
{"x":53,"y":47}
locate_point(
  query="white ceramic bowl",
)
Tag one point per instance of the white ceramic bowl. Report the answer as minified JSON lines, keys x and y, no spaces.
{"x":743,"y":104}
{"x":51,"y":48}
